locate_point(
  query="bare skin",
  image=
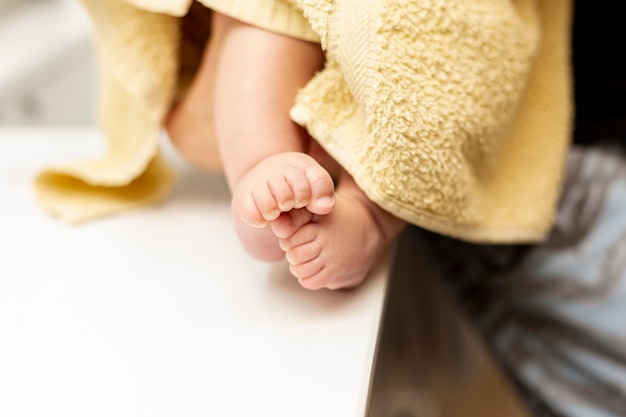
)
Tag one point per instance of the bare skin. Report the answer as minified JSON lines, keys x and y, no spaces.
{"x":284,"y":202}
{"x":263,"y":152}
{"x":190,"y":123}
{"x":278,"y":184}
{"x":339,"y":249}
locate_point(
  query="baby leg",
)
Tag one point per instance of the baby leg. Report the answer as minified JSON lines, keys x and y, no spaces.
{"x":263,"y":152}
{"x":339,"y":249}
{"x":190,"y":122}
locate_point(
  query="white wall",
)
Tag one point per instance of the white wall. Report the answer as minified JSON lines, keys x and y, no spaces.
{"x":47,"y":64}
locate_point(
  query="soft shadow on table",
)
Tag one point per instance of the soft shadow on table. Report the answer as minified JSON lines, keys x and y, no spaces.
{"x":283,"y":289}
{"x":193,"y":186}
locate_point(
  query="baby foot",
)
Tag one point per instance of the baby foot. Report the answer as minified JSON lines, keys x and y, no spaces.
{"x":281,"y":183}
{"x":333,"y":251}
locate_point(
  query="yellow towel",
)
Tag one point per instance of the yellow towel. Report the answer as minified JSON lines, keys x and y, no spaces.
{"x":451,"y":114}
{"x":138,"y":76}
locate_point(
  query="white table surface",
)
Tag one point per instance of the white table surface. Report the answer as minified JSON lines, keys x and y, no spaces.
{"x":159,"y":312}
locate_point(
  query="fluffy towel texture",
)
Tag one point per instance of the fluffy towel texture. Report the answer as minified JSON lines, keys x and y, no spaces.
{"x":451,"y":114}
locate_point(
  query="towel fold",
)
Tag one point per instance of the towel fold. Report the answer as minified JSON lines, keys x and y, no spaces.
{"x":138,"y":79}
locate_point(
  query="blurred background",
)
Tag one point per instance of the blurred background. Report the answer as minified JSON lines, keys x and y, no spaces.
{"x":48,"y":71}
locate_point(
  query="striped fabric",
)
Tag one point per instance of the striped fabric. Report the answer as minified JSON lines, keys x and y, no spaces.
{"x":555,"y":315}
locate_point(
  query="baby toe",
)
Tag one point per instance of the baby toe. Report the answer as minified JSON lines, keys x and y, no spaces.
{"x":265,"y":202}
{"x":289,"y":223}
{"x":305,"y":234}
{"x":304,"y":253}
{"x":282,"y":193}
{"x":315,"y":278}
{"x":300,"y":187}
{"x":322,"y":200}
{"x":307,"y":271}
{"x":249,"y":212}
